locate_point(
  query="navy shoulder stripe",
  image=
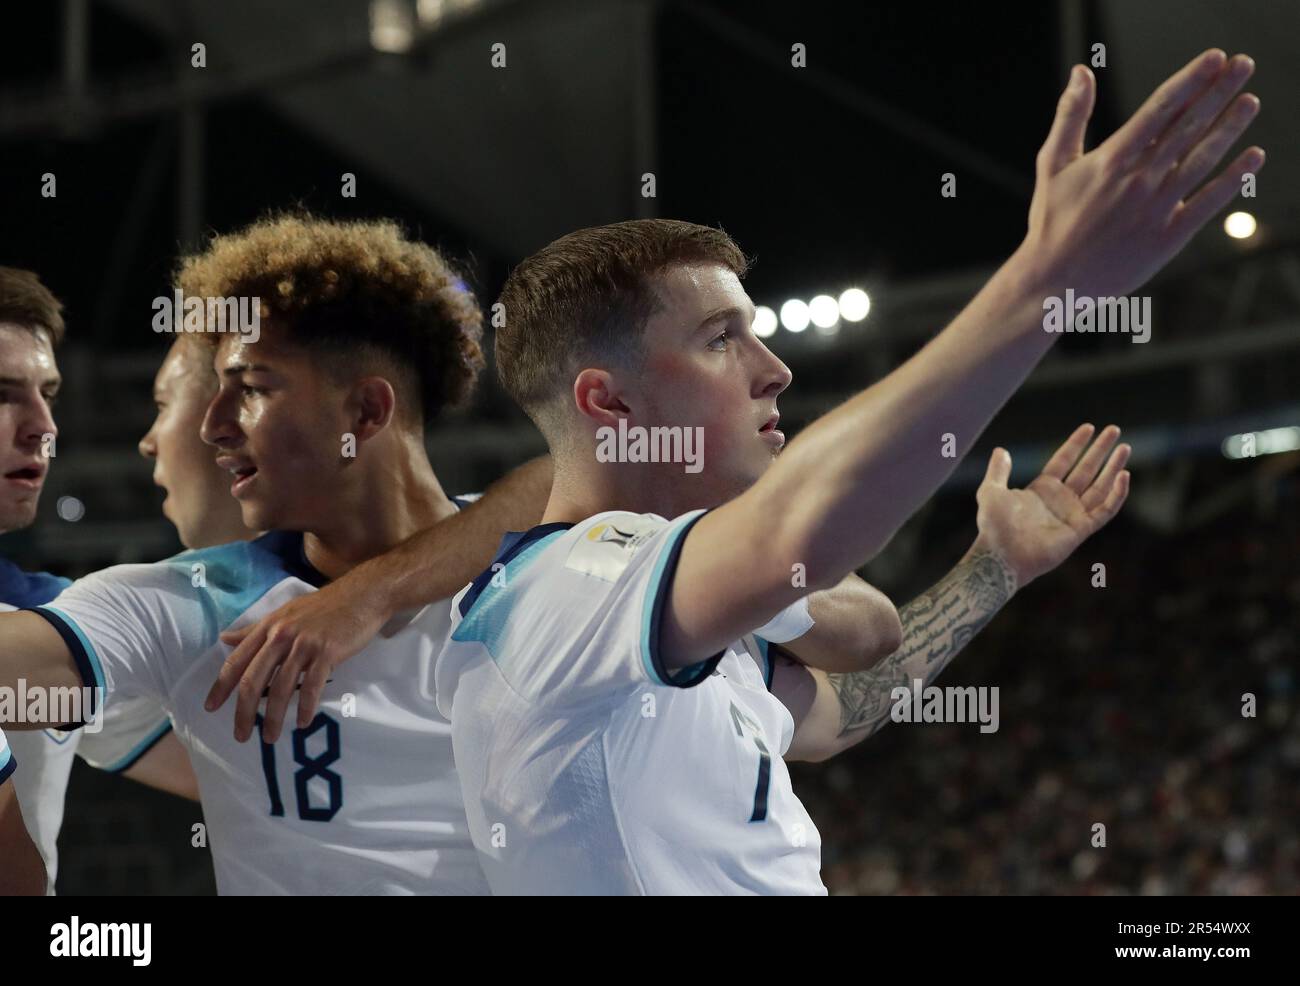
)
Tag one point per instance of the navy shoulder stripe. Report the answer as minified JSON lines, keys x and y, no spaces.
{"x":513,"y":543}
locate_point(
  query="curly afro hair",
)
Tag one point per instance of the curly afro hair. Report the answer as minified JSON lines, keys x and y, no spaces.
{"x":358,"y":291}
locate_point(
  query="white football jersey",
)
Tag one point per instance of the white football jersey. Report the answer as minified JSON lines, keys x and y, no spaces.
{"x":365,"y":800}
{"x":41,"y":786}
{"x":129,"y":730}
{"x":126,"y":734}
{"x":590,"y":768}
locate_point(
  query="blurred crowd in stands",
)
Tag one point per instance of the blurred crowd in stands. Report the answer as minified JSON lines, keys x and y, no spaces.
{"x":1120,"y":706}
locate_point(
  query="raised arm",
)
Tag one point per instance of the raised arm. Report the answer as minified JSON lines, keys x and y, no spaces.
{"x":1022,"y":534}
{"x":313,"y":634}
{"x":1100,"y":223}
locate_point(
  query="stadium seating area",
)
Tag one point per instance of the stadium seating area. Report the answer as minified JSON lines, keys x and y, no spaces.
{"x":1120,"y":706}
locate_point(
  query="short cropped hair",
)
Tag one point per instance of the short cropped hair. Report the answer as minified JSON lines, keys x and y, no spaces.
{"x":590,"y":294}
{"x":25,"y":301}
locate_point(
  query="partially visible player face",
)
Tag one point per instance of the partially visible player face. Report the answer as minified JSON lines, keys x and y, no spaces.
{"x":29,"y":380}
{"x":278,"y":423}
{"x":198,"y":492}
{"x":705,"y":367}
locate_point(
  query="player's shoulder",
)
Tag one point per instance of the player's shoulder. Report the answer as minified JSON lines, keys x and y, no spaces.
{"x":214,"y":585}
{"x":535,"y":557}
{"x":518,"y":550}
{"x":619,"y":526}
{"x":568,"y":560}
{"x":20,"y":589}
{"x":603,"y":546}
{"x":253,"y":566}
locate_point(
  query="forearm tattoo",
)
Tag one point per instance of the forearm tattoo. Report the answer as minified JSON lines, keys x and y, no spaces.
{"x":936,"y":626}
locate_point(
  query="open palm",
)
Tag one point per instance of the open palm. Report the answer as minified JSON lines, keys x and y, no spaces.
{"x":1036,"y":528}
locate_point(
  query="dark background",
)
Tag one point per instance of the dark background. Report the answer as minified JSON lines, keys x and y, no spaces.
{"x":1119,"y":705}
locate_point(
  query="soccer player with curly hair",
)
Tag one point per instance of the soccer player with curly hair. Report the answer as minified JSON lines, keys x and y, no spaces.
{"x":364,"y":336}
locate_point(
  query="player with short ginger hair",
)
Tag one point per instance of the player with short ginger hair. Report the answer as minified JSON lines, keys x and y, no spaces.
{"x":366,"y":336}
{"x":618,"y":722}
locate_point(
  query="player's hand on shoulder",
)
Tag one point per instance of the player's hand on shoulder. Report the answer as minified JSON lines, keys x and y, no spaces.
{"x":302,"y":641}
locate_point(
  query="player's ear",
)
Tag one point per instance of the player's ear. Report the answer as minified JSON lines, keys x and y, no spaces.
{"x":371,"y":406}
{"x":598,"y":397}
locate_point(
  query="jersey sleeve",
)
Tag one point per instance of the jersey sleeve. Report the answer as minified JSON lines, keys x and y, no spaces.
{"x":125,"y":626}
{"x":130,"y":728}
{"x":7,"y":762}
{"x":789,"y":624}
{"x":575,"y":616}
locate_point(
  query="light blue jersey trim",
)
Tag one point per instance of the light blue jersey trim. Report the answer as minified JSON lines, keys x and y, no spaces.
{"x":140,"y":749}
{"x":7,"y":763}
{"x":87,"y":648}
{"x":688,"y":676}
{"x":486,"y":621}
{"x":235,"y":577}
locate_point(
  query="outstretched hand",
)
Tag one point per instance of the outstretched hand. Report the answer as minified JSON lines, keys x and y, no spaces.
{"x":1037,"y":528}
{"x":1103,"y":222}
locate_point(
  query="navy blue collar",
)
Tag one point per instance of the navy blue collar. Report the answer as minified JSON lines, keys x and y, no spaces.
{"x":290,"y":547}
{"x":511,"y":545}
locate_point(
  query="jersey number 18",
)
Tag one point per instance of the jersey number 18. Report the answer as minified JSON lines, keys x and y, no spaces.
{"x":308,"y":767}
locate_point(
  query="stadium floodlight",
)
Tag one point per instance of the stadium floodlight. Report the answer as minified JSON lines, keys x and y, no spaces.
{"x":430,"y":12}
{"x":1239,"y":225}
{"x":71,"y":509}
{"x":1267,"y":442}
{"x":794,"y":315}
{"x":392,"y":26}
{"x":854,"y":305}
{"x":824,"y":312}
{"x":764,"y":321}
